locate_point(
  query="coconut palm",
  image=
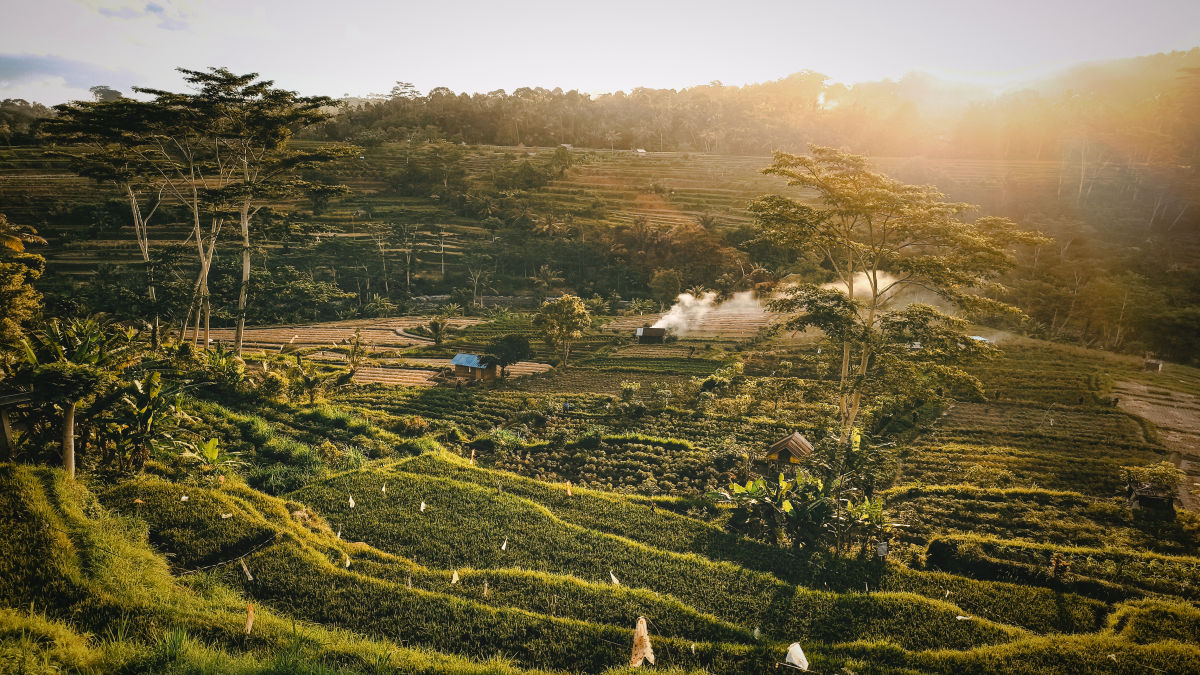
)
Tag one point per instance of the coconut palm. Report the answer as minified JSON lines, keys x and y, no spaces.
{"x":14,"y":237}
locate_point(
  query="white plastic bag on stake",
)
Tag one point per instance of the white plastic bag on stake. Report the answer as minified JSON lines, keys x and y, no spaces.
{"x":642,"y":651}
{"x":795,"y":657}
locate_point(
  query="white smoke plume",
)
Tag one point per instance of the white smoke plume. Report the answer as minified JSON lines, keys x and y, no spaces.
{"x":689,"y":311}
{"x":686,"y":312}
{"x":897,"y":297}
{"x":862,"y":285}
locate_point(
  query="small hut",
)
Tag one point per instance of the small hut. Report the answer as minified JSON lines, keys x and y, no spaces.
{"x":791,"y":450}
{"x":1151,"y":500}
{"x":473,"y":367}
{"x":651,"y":336}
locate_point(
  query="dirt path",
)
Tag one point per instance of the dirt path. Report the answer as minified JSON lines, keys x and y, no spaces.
{"x":1177,"y":416}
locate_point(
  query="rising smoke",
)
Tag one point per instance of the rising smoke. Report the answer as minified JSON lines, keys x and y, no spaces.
{"x":897,"y":297}
{"x":689,"y":311}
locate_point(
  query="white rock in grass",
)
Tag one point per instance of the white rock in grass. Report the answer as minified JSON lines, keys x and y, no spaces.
{"x":351,"y":501}
{"x":615,"y":581}
{"x":422,"y":506}
{"x":347,"y":560}
{"x":183,"y":498}
{"x":795,"y":657}
{"x":384,"y":489}
{"x":226,"y":516}
{"x":504,"y":546}
{"x":960,"y":617}
{"x":454,"y":577}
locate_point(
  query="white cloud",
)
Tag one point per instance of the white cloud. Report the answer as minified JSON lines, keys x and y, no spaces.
{"x":51,"y":88}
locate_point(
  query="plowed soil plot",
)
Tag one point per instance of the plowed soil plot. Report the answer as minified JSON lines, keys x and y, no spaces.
{"x":375,"y":332}
{"x":1177,"y":416}
{"x":396,"y":376}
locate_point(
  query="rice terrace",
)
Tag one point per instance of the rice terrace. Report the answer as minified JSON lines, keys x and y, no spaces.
{"x":889,"y":365}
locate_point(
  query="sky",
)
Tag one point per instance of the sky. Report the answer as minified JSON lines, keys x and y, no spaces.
{"x":53,"y":50}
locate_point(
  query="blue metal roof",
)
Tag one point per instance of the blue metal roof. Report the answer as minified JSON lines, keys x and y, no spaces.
{"x":468,"y":360}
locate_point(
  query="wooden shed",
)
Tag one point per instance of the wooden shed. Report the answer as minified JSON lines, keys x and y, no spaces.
{"x":791,"y":450}
{"x":647,"y":335}
{"x":473,"y":367}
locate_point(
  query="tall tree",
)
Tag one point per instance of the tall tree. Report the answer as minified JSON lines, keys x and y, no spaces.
{"x":249,"y":122}
{"x":220,"y":150}
{"x":562,"y":322}
{"x":102,"y":139}
{"x":880,"y":238}
{"x":507,"y":350}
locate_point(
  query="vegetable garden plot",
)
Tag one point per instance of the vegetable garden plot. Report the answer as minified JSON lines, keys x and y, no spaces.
{"x":400,"y":377}
{"x":451,"y":532}
{"x":1109,"y":573}
{"x":1094,"y":470}
{"x":1039,"y":515}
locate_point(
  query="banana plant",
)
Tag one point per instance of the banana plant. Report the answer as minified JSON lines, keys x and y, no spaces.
{"x":64,"y":362}
{"x":144,"y":420}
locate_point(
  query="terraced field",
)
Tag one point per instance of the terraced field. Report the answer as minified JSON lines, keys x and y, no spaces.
{"x":475,"y":562}
{"x":375,"y":333}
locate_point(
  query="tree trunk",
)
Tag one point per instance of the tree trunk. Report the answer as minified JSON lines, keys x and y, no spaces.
{"x":244,"y":287}
{"x":68,"y":439}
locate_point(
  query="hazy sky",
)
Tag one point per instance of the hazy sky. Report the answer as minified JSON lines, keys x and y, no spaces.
{"x":53,"y":50}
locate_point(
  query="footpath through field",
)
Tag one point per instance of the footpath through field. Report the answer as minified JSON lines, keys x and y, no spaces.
{"x":1177,"y":416}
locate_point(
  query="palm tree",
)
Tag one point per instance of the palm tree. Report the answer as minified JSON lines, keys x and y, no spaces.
{"x":14,"y":237}
{"x":308,"y":380}
{"x":437,"y":330}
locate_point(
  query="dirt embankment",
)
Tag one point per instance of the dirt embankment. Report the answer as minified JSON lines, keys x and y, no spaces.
{"x":1177,"y":416}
